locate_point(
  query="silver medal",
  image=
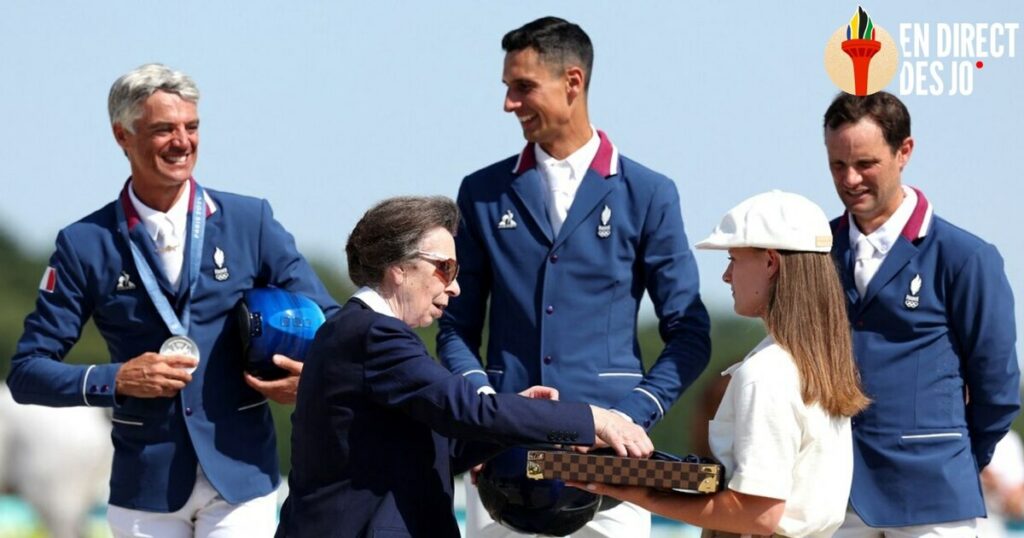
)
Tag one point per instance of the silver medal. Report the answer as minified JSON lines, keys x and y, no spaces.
{"x":181,"y":345}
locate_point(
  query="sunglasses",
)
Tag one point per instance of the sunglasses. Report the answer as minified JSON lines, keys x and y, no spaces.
{"x":447,"y":268}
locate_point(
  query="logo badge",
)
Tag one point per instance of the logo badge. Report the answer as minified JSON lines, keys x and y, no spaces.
{"x":507,"y":222}
{"x":604,"y":229}
{"x":861,"y":58}
{"x":124,"y":282}
{"x":913,"y":299}
{"x":220,"y":272}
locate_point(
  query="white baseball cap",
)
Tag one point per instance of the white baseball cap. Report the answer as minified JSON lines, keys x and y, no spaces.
{"x":776,"y":219}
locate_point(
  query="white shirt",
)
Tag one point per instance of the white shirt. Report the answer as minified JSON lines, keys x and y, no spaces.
{"x":167,"y":231}
{"x":870,"y":250}
{"x":773,"y":445}
{"x":374,"y":300}
{"x":562,"y":178}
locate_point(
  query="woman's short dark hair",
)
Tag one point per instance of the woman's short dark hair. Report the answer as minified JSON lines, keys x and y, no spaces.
{"x":391,"y":231}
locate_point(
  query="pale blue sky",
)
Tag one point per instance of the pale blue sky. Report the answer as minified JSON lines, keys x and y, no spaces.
{"x":327,"y":107}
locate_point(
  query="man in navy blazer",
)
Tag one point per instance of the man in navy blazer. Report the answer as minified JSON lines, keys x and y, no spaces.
{"x":933,"y":335}
{"x":562,"y":241}
{"x":195,"y":449}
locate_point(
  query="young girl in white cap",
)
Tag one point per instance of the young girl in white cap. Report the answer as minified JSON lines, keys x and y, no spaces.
{"x":782,"y":430}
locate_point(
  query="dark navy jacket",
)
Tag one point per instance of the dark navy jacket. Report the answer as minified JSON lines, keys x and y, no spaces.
{"x":934,"y":340}
{"x":371,"y":454}
{"x":216,"y":420}
{"x":563,"y":310}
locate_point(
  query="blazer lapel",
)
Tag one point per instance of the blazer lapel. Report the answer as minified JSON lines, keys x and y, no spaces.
{"x":844,"y":258}
{"x":182,"y":293}
{"x":901,"y":253}
{"x":593,"y":189}
{"x":527,"y":187}
{"x":137,"y":234}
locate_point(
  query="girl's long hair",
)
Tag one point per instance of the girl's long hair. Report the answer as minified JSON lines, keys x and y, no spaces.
{"x":806,"y":316}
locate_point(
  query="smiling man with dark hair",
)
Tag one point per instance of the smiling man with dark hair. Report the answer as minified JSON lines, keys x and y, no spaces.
{"x":558,"y":245}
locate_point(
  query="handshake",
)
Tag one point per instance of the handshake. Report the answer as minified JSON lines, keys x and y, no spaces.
{"x":611,"y":429}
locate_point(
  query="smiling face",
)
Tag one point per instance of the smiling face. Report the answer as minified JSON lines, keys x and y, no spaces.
{"x":164,"y":146}
{"x":866,"y":171}
{"x":541,"y":96}
{"x":750,"y":273}
{"x":422,"y":292}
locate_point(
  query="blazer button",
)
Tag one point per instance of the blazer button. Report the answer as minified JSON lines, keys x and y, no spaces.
{"x":548,"y":359}
{"x":92,"y":388}
{"x":104,"y":388}
{"x":188,"y":411}
{"x":554,"y":258}
{"x":550,"y":309}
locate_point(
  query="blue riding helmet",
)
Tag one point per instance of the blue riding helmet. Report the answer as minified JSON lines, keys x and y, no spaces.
{"x":275,"y":321}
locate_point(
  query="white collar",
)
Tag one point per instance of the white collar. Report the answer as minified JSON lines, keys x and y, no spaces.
{"x":888,"y":233}
{"x":152,"y":219}
{"x":374,"y":300}
{"x":578,"y":161}
{"x":767,"y":341}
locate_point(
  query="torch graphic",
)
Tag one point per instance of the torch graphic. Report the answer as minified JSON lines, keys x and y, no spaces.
{"x":861,"y":46}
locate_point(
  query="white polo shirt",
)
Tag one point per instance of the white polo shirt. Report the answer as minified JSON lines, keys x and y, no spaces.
{"x":772,"y":445}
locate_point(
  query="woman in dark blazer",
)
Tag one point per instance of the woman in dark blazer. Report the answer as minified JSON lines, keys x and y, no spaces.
{"x":372,"y":440}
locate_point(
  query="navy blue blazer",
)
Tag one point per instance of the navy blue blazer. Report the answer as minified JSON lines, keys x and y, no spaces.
{"x":371,"y":454}
{"x":217,"y":419}
{"x":934,"y":340}
{"x":563,"y":310}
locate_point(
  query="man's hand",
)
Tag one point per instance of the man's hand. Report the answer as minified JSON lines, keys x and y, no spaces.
{"x":152,"y":375}
{"x":626,"y":438}
{"x":541,"y":392}
{"x":282,"y":390}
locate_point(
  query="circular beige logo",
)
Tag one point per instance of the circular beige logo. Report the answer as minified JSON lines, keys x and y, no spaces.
{"x":861,"y":58}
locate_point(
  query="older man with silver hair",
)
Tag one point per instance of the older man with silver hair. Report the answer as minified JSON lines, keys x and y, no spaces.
{"x":159,"y":270}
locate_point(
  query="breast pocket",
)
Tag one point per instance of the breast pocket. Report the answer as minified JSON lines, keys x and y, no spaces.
{"x":129,"y":310}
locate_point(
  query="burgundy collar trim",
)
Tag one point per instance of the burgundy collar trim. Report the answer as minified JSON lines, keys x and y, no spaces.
{"x":133,"y":216}
{"x":605,"y":163}
{"x":917,"y":226}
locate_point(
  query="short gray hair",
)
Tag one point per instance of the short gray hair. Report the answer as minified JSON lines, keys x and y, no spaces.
{"x":130,"y":90}
{"x":391,"y":231}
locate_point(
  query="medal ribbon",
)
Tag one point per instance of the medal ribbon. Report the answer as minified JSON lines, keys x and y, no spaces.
{"x":163,"y":306}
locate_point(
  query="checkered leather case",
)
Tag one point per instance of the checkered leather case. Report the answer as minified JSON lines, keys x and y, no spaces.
{"x":664,"y":472}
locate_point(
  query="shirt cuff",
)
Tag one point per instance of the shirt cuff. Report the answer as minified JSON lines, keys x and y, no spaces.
{"x":623,"y":415}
